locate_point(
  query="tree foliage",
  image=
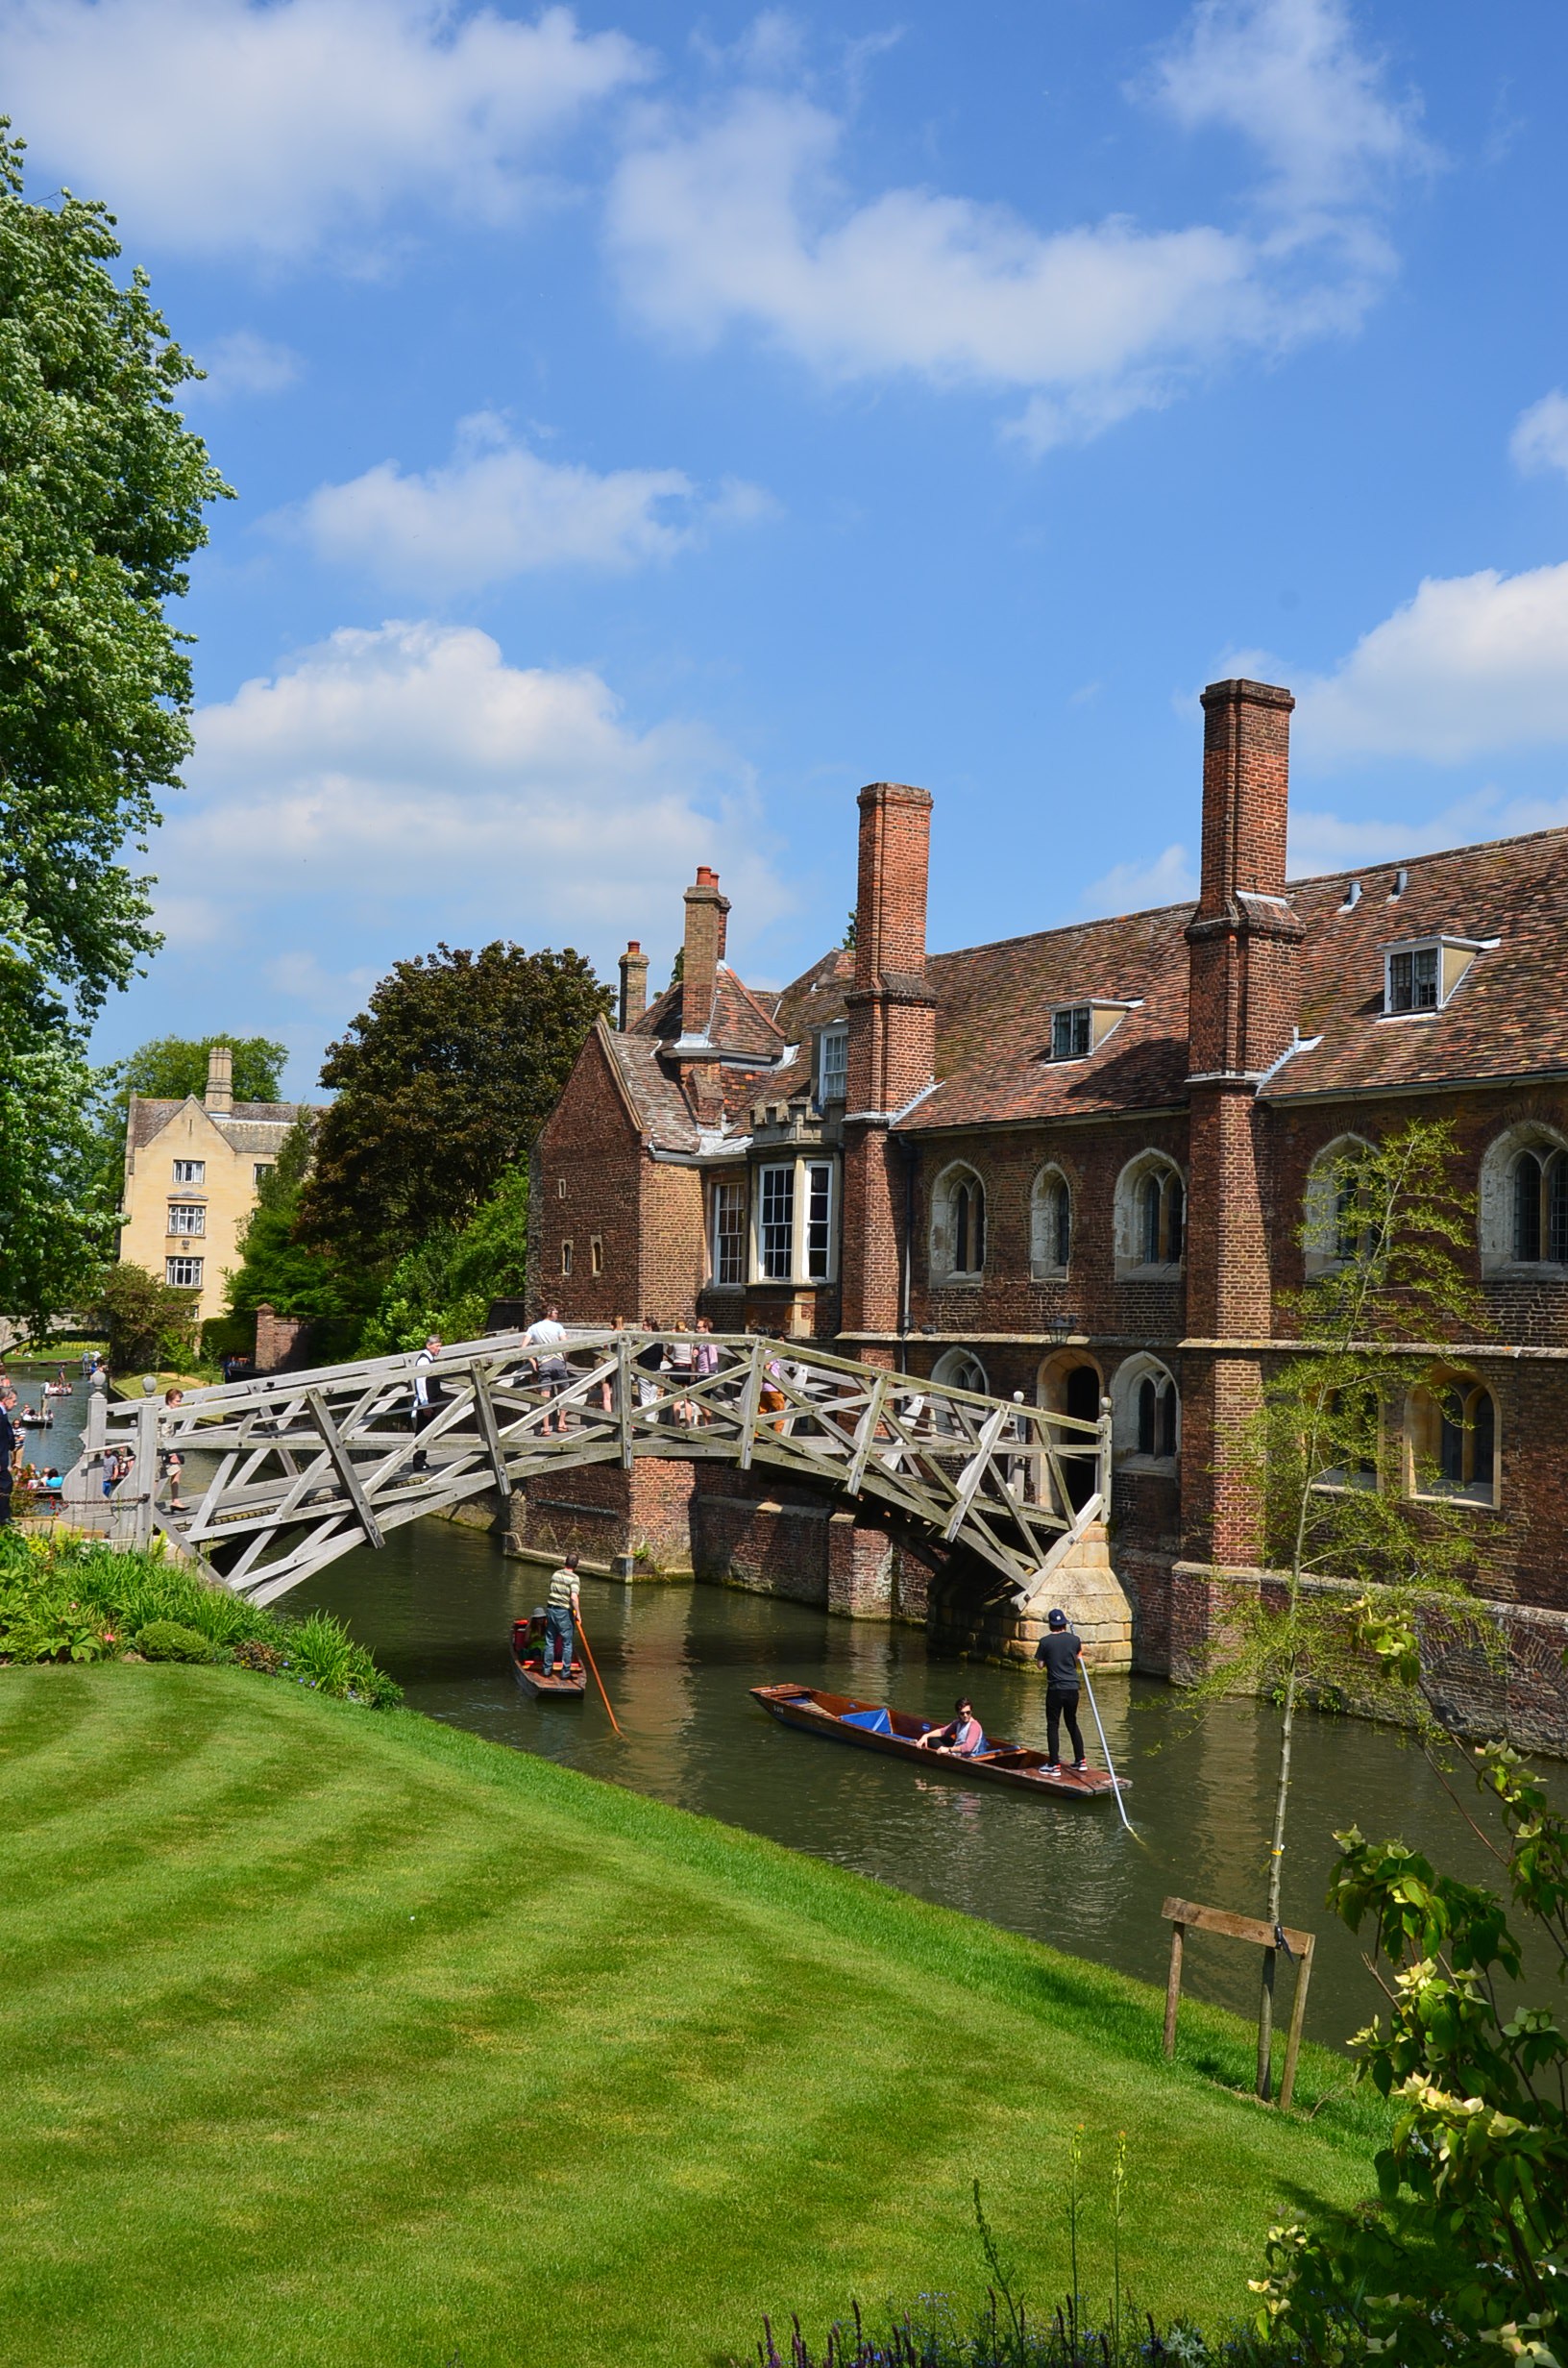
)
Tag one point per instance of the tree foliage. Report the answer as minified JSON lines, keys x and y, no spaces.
{"x":101,"y":495}
{"x":447,"y":1284}
{"x":149,"y":1323}
{"x":1466,"y":2258}
{"x":1360,"y":1560}
{"x":277,"y":1270}
{"x":170,"y":1067}
{"x":442,"y":1086}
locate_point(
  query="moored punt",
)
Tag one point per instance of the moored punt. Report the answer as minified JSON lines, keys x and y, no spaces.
{"x":897,"y":1733}
{"x":528,"y":1666}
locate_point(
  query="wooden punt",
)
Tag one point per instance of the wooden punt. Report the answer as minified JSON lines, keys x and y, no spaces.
{"x":528,"y":1666}
{"x":840,"y":1717}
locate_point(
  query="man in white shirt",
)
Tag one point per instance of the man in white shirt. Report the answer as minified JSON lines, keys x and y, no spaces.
{"x":426,"y":1393}
{"x":544,"y":1338}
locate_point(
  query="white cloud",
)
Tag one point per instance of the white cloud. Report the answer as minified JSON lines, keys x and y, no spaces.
{"x":1288,"y":77}
{"x":225,"y":126}
{"x":1137,"y":887}
{"x":1540,"y":437}
{"x":1472,"y":664}
{"x":744,"y":220}
{"x":391,"y":787}
{"x":497,"y":510}
{"x":242,"y":364}
{"x":1328,"y":841}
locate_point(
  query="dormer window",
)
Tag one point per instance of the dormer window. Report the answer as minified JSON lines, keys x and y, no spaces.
{"x":832,"y":1064}
{"x":1421,"y":974}
{"x":1078,"y":1029}
{"x":1069,"y":1033}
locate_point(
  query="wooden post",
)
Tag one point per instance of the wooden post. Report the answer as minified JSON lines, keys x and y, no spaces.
{"x":1298,"y":2017}
{"x":146,"y":1468}
{"x":1185,"y":1915}
{"x":622,"y":1399}
{"x":1271,"y":1958}
{"x":1173,"y":1985}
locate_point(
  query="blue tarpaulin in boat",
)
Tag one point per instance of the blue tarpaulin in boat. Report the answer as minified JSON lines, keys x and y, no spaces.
{"x":875,"y":1722}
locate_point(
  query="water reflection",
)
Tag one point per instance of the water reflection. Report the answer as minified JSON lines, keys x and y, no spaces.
{"x":436,"y":1604}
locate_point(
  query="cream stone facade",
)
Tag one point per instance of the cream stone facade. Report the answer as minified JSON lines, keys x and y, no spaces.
{"x":191,"y":1172}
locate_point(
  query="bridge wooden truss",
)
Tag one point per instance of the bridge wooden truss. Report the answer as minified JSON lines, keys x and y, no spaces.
{"x":285,"y":1472}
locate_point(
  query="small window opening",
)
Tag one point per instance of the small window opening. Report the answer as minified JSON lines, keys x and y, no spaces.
{"x":1412,"y":979}
{"x":566,"y":1257}
{"x":1071,"y":1033}
{"x":595,"y":1254}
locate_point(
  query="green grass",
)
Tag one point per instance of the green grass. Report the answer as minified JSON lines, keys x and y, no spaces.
{"x":331,"y":2035}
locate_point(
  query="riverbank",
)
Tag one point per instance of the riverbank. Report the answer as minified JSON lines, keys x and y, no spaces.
{"x":340,"y":2036}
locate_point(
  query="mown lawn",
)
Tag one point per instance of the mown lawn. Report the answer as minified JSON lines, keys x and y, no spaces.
{"x":330,"y":2036}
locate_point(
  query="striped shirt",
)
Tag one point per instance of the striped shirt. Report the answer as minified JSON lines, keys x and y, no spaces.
{"x":563,"y":1590}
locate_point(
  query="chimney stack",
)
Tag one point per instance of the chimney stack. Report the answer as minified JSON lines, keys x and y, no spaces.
{"x":707,"y":913}
{"x":633,"y":985}
{"x":1243,"y":938}
{"x":219,"y":1098}
{"x":891,"y":1047}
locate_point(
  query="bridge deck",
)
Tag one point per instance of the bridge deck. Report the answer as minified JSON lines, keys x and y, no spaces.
{"x":287,"y":1471}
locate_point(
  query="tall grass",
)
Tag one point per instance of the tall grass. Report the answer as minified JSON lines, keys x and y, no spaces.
{"x":75,"y":1599}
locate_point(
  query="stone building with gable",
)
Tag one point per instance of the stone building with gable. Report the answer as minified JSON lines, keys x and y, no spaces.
{"x":1077,"y":1165}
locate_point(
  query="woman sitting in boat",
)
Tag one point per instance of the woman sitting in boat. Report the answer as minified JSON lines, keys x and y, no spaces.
{"x":963,"y":1735}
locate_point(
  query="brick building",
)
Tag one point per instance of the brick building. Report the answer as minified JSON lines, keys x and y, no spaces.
{"x":1079,"y":1163}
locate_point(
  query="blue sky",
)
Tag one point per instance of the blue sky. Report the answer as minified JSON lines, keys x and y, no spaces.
{"x":648,"y":425}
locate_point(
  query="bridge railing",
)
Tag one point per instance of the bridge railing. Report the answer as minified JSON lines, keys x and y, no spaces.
{"x":286,"y":1472}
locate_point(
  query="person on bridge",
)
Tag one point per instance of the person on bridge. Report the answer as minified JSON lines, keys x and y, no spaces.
{"x":172,"y":1461}
{"x":560,"y":1619}
{"x":427,"y":1394}
{"x":963,"y":1735}
{"x":1058,"y":1653}
{"x":545,"y":1337}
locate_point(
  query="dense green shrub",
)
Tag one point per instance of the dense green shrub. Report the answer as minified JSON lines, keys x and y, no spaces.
{"x":169,"y":1640}
{"x":65,"y":1598}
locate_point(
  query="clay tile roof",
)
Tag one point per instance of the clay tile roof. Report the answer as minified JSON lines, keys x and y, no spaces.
{"x":654,"y":1095}
{"x":1507,"y":1018}
{"x":993,"y":1022}
{"x":250,"y":1126}
{"x":817,"y":996}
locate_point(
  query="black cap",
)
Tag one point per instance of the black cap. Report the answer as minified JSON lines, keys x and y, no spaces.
{"x":1056,"y":1618}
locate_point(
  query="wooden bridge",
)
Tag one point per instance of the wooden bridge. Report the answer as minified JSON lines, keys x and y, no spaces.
{"x":283,"y":1473}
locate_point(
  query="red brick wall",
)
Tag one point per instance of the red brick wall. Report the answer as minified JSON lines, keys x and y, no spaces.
{"x":590,"y":1144}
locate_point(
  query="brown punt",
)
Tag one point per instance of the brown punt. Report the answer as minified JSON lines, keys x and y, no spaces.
{"x":529,"y":1667}
{"x":1002,"y":1764}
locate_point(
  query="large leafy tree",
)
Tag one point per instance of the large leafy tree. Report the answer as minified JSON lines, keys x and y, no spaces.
{"x":277,"y":1270}
{"x":101,"y":495}
{"x":171,"y":1066}
{"x":442,"y":1085}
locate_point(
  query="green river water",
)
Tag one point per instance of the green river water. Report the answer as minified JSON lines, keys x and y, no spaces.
{"x":436,"y":1603}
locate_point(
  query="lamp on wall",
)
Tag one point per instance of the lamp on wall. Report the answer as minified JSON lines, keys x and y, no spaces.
{"x":1059,"y":1329}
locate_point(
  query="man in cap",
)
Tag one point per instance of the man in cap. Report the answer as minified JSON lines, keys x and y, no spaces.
{"x":1058,"y":1653}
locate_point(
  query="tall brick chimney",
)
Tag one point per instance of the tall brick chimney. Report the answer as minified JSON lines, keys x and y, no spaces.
{"x":1243,"y":955}
{"x":891,"y":1053}
{"x":707,"y":913}
{"x":633,"y":985}
{"x":219,"y":1096}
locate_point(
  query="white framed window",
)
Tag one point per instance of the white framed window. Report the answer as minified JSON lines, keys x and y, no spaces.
{"x":797,"y":1222}
{"x":832,"y":1064}
{"x":184,"y":1273}
{"x":819,"y":1220}
{"x":775,"y":1224}
{"x":1071,"y":1032}
{"x":260,"y":1170}
{"x":190,"y":1172}
{"x":187,"y":1217}
{"x":1422,"y":973}
{"x":728,"y":1236}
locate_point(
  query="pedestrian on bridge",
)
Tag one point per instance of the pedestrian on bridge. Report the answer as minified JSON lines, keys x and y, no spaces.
{"x":553,"y":1370}
{"x":428,"y":1396}
{"x":560,"y":1618}
{"x":1058,"y":1653}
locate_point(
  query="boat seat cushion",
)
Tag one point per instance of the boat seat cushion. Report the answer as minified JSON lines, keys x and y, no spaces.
{"x":875,"y":1722}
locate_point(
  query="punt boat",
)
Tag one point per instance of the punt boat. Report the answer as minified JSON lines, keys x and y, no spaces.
{"x":877,"y":1728}
{"x":528,"y":1662}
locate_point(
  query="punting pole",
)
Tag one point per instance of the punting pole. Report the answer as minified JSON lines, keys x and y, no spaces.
{"x":1099,"y":1724}
{"x":599,"y":1682}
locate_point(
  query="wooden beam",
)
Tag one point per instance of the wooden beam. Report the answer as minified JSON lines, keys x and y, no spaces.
{"x":1173,"y":1984}
{"x":1298,"y":2018}
{"x":486,"y":1416}
{"x":974,"y":1471}
{"x":750,"y":1396}
{"x":1233,"y":1927}
{"x":343,"y":1463}
{"x":865,"y":1434}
